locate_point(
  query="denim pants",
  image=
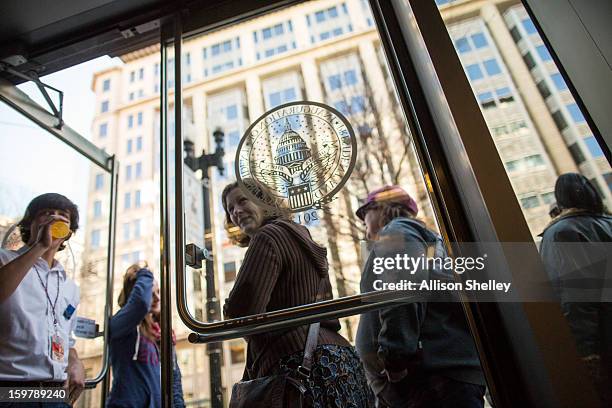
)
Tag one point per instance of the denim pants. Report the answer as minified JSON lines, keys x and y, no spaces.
{"x":434,"y":391}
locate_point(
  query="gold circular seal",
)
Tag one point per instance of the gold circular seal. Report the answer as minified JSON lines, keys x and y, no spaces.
{"x":296,"y":156}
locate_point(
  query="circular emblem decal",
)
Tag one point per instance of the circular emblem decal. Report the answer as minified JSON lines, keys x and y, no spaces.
{"x":296,"y":156}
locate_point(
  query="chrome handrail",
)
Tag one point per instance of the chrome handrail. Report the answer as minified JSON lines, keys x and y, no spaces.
{"x":113,"y":165}
{"x":304,"y":314}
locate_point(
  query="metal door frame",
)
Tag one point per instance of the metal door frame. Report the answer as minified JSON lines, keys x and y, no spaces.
{"x":465,"y":193}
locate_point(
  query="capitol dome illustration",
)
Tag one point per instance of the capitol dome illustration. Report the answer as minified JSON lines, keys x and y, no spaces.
{"x":292,"y":150}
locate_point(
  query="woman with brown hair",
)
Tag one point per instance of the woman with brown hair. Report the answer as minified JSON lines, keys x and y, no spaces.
{"x":283,"y":267}
{"x":134,"y":344}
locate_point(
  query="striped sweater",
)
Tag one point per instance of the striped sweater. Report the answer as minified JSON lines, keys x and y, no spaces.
{"x":282,"y":268}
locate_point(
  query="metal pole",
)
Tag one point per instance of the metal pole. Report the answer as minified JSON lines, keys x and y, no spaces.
{"x":165,"y":277}
{"x":212,"y":302}
{"x":213,"y":313}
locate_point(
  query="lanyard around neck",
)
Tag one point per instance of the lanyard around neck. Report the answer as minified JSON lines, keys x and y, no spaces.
{"x":46,"y":288}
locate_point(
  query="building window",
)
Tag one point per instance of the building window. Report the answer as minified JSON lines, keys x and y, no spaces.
{"x":504,"y":95}
{"x":328,"y":23}
{"x":559,"y":120}
{"x":486,"y":100}
{"x":283,"y":36}
{"x":141,"y":73}
{"x":231,"y":112}
{"x":139,"y":143}
{"x":548,"y":198}
{"x":280,"y":97}
{"x":593,"y":146}
{"x":132,"y":76}
{"x":103,"y":129}
{"x":524,"y":163}
{"x":479,"y":40}
{"x":529,"y":26}
{"x":543,"y":53}
{"x":354,"y":106}
{"x":130,"y":121}
{"x":334,"y":82}
{"x":462,"y":45}
{"x":139,"y":118}
{"x":138,"y":170}
{"x":131,"y":96}
{"x":559,"y":82}
{"x":474,"y":72}
{"x":127,"y":201}
{"x":129,"y":146}
{"x":530,"y":202}
{"x":95,"y":238}
{"x":516,"y":36}
{"x":104,"y":107}
{"x":350,"y":77}
{"x":575,"y":113}
{"x":128,"y":172}
{"x":137,"y":201}
{"x":217,"y":49}
{"x":229,"y":271}
{"x":576,"y":153}
{"x":99,"y":181}
{"x":543,"y":88}
{"x":97,"y":209}
{"x":106,"y":85}
{"x":156,"y":68}
{"x":492,"y":67}
{"x":529,"y":61}
{"x":233,"y":138}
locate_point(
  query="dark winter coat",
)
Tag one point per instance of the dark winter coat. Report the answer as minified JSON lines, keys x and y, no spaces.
{"x":577,"y":253}
{"x":424,"y":337}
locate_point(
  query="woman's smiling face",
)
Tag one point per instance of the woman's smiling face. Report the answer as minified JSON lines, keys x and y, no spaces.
{"x":244,"y":213}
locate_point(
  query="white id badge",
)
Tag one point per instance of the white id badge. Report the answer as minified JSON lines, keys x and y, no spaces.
{"x":57,"y":348}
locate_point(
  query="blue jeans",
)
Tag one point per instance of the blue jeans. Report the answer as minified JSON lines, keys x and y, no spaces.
{"x":434,"y":391}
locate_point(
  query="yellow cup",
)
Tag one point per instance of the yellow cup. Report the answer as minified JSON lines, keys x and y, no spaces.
{"x":59,"y":229}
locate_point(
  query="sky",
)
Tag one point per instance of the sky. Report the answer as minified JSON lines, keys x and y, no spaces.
{"x":32,"y":161}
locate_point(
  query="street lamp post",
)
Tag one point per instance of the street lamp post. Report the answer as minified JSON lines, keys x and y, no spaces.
{"x":213,"y":312}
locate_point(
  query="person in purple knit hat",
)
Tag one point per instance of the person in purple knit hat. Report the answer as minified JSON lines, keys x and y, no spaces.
{"x":417,"y":354}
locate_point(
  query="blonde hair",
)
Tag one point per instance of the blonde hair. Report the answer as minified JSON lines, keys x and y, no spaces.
{"x":235,"y":235}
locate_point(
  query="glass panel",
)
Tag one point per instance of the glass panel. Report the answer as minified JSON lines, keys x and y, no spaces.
{"x":334,"y":59}
{"x":509,"y":33}
{"x":553,"y":138}
{"x":33,"y":162}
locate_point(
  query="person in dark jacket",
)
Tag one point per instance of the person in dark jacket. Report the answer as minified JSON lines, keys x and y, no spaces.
{"x":577,"y":255}
{"x":135,"y":345}
{"x":418,"y":354}
{"x":283,"y":267}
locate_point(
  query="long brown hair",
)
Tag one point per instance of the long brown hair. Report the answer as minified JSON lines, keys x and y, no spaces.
{"x":235,"y":235}
{"x":129,"y":280}
{"x":392,"y":210}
